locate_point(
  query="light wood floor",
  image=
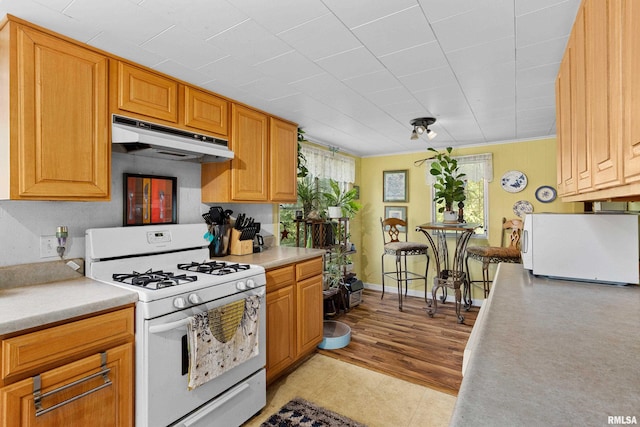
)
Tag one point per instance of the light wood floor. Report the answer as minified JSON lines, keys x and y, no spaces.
{"x":407,"y":344}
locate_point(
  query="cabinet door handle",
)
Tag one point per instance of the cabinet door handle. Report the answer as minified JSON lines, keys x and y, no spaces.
{"x":38,"y":396}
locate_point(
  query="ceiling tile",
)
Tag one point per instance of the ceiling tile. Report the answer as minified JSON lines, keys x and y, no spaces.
{"x":113,"y":43}
{"x":182,"y":46}
{"x":527,"y":6}
{"x":183,"y":73}
{"x":351,"y":63}
{"x":269,"y":88}
{"x":358,"y":12}
{"x":250,"y":42}
{"x":493,"y":21}
{"x":373,"y":82}
{"x":290,"y":67}
{"x":415,"y":59}
{"x":409,"y":28}
{"x":537,"y":75}
{"x":281,"y":15}
{"x":335,"y":37}
{"x":204,"y":18}
{"x":231,"y":71}
{"x":546,"y":52}
{"x":119,"y":15}
{"x":429,"y":79}
{"x":479,"y":58}
{"x":556,"y":21}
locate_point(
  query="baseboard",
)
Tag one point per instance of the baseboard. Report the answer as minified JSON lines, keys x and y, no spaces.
{"x":417,"y":293}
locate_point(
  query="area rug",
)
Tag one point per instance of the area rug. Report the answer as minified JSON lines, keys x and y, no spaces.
{"x":299,"y":412}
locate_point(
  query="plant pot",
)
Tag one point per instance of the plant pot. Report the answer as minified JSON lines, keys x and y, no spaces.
{"x":334,"y":211}
{"x":450,"y":217}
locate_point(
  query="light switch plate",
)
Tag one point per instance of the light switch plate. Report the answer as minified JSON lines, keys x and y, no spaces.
{"x":48,"y":246}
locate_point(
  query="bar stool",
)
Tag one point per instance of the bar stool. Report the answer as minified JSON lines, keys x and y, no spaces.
{"x":391,"y":229}
{"x":496,"y":254}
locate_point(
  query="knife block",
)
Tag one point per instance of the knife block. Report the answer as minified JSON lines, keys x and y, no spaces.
{"x":239,"y":247}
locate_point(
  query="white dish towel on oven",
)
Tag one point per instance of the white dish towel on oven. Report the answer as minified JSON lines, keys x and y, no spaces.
{"x":221,"y":339}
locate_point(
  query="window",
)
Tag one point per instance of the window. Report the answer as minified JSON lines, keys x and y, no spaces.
{"x":323,"y":165}
{"x":479,"y":172}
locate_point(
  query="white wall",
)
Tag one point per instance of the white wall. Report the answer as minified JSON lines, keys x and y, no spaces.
{"x":23,"y":222}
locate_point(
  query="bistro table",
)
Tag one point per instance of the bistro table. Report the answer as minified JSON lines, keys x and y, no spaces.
{"x":450,"y":273}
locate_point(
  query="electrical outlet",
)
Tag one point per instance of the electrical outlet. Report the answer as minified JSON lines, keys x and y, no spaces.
{"x":48,"y":246}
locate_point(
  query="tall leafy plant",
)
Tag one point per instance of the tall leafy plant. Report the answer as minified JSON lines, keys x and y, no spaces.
{"x":346,"y":200}
{"x":449,"y":181}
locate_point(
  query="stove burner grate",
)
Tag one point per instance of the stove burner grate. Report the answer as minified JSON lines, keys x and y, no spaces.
{"x":149,"y":278}
{"x":216,"y":268}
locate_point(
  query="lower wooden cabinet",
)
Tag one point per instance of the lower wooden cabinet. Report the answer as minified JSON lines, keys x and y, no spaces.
{"x":78,"y":373}
{"x":89,"y":392}
{"x":294,"y":314}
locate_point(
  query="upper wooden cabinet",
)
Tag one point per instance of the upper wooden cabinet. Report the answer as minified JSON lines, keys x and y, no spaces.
{"x":631,"y":85}
{"x":142,"y":92}
{"x":265,"y":165}
{"x":603,"y":55}
{"x":54,"y":141}
{"x":205,"y":111}
{"x":283,"y":161}
{"x":249,"y":143}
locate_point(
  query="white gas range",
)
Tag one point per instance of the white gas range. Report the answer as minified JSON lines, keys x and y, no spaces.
{"x":170,"y":269}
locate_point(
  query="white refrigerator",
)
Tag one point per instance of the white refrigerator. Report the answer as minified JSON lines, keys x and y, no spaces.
{"x":595,"y":247}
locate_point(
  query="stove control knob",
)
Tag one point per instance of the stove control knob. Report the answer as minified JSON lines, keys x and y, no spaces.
{"x":179,"y":302}
{"x":251,"y":283}
{"x":195,"y":299}
{"x":241,"y":286}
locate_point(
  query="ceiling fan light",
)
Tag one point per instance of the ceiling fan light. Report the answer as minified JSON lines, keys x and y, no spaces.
{"x":419,"y":129}
{"x":431,"y":134}
{"x":414,"y":135}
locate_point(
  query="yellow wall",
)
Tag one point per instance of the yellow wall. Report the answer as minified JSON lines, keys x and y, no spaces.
{"x":537,"y":159}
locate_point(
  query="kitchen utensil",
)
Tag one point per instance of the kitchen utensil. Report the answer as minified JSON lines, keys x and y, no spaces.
{"x":207,"y":218}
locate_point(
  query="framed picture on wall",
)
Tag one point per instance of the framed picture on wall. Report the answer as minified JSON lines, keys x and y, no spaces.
{"x":394,"y":186}
{"x":149,"y":199}
{"x":399,"y":212}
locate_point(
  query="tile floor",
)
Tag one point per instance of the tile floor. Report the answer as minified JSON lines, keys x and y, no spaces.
{"x":368,"y":397}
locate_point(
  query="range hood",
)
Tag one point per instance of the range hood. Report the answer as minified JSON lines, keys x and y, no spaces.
{"x":142,"y":138}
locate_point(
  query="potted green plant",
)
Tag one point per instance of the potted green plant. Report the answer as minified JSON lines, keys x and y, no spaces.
{"x":308,"y":195}
{"x":340,"y":203}
{"x":449,"y":183}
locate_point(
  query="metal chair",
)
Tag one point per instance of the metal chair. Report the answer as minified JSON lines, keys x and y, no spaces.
{"x":496,"y":254}
{"x":391,"y":230}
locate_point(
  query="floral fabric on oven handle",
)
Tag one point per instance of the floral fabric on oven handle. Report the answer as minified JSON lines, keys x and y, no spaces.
{"x":209,"y":356}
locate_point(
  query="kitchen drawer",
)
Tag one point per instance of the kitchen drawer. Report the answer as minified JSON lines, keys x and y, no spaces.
{"x":307,"y":269}
{"x":34,"y":352}
{"x":279,"y":278}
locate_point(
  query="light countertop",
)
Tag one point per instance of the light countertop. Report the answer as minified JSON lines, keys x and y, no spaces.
{"x":552,"y":352}
{"x":25,"y":307}
{"x":276,"y":256}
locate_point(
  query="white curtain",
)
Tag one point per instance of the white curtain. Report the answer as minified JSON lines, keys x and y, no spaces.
{"x":325,"y":164}
{"x":477,"y":167}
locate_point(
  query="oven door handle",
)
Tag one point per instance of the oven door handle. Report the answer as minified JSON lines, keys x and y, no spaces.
{"x":157,"y":329}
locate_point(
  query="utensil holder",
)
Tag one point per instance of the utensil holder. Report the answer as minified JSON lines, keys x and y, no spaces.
{"x":240,"y":247}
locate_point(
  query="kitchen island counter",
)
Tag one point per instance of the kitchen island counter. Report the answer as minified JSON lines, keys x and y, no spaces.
{"x":276,"y":256}
{"x":552,"y":352}
{"x":25,"y":307}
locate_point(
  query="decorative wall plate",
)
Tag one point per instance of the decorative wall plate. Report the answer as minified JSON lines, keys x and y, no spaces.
{"x":513,"y":181}
{"x":546,"y":194}
{"x":522,"y":207}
